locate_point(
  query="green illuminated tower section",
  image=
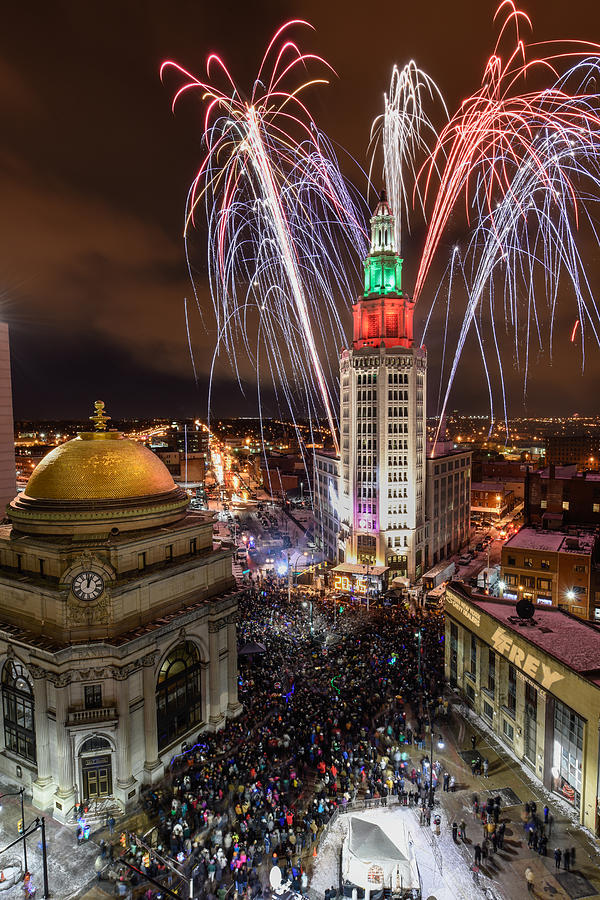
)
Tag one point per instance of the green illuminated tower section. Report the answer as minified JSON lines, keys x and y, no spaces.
{"x":383,"y":266}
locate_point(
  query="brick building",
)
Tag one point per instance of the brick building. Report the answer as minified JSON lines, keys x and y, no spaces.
{"x":553,"y":568}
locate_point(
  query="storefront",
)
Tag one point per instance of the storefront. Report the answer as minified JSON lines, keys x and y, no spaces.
{"x":536,"y":684}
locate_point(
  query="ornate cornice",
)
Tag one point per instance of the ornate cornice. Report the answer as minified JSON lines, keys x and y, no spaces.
{"x":93,"y":673}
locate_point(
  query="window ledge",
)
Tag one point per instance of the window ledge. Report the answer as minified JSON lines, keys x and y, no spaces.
{"x":20,"y":760}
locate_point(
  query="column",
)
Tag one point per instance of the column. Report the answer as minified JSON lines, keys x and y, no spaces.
{"x":153,"y":768}
{"x":65,"y":797}
{"x":214,"y":680}
{"x":43,"y":786}
{"x":234,"y":707}
{"x":125,"y":781}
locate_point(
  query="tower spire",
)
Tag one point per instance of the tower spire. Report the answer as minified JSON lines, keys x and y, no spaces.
{"x":383,"y":315}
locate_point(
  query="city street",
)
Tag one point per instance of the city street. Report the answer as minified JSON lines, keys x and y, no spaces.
{"x":510,"y":779}
{"x":70,"y":866}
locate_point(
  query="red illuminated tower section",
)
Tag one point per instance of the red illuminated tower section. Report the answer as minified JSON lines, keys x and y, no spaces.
{"x":383,"y":316}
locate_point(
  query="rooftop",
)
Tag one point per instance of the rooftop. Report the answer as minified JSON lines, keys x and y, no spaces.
{"x":552,"y":541}
{"x":498,"y":487}
{"x":360,"y":569}
{"x":570,"y":640}
{"x":443,"y":449}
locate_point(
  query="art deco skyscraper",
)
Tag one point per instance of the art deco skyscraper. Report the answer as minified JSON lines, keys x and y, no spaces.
{"x":382,"y":419}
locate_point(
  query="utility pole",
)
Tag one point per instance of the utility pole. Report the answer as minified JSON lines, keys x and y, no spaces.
{"x":44,"y":859}
{"x":21,"y":792}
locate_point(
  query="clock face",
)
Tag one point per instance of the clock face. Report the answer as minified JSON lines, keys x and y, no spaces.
{"x":87,"y":585}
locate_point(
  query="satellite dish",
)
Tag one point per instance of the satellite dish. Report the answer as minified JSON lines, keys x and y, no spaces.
{"x":525,"y":609}
{"x":275,"y":877}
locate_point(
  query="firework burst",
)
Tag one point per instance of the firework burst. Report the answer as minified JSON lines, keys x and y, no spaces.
{"x":283,"y":224}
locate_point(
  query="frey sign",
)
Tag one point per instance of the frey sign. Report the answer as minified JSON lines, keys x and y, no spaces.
{"x":528,"y":663}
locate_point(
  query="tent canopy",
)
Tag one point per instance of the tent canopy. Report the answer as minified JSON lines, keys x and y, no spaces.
{"x":368,"y":842}
{"x":250,"y":648}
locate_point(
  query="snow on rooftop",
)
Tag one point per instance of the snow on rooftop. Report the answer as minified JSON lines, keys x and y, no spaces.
{"x":531,"y":539}
{"x":552,"y":541}
{"x":574,"y":642}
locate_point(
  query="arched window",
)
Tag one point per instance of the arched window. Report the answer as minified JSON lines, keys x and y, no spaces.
{"x":95,"y":744}
{"x":178,"y":693}
{"x":17,"y":704}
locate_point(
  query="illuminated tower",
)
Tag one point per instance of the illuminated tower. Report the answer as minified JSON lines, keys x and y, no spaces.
{"x":382,"y":387}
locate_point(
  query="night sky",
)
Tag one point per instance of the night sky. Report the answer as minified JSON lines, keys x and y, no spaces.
{"x":94,"y":170}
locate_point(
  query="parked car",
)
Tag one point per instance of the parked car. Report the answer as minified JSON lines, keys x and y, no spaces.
{"x":479,"y":546}
{"x":465,"y":559}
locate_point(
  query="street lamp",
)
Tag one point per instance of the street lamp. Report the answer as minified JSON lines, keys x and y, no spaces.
{"x":419,"y":635}
{"x":308,"y":604}
{"x":570,"y":595}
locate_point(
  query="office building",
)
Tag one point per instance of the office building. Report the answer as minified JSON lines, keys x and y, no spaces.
{"x":534,"y":684}
{"x":381,"y":493}
{"x":553,"y":568}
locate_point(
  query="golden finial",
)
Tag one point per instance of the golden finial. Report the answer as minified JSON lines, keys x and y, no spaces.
{"x":100,"y":419}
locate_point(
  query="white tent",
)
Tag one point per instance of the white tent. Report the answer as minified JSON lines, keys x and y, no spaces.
{"x":377,"y":856}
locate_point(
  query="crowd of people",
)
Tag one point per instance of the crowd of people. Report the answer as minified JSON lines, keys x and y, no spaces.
{"x":335,"y":708}
{"x":329,"y":715}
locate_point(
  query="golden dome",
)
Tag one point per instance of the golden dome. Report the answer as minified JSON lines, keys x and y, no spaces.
{"x":99,"y":466}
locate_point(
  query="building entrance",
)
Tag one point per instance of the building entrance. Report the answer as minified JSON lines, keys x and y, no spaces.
{"x":97,"y":777}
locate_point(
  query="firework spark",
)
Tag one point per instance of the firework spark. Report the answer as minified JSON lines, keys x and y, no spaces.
{"x":527,"y":165}
{"x":283,"y":223}
{"x":405,"y":131}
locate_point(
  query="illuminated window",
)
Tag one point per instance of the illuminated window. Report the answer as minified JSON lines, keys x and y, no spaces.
{"x":178,"y":693}
{"x":508,"y":730}
{"x":511,"y":701}
{"x":391,"y":325}
{"x":18,"y":708}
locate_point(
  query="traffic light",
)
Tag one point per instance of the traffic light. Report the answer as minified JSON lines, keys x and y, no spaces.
{"x":20,"y":828}
{"x":146,"y":860}
{"x":123,"y":839}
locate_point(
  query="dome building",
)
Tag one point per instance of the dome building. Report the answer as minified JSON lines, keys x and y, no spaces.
{"x":117,"y":624}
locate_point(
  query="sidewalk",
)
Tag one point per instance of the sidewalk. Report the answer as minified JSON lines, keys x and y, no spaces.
{"x":507,"y":778}
{"x":69,"y":866}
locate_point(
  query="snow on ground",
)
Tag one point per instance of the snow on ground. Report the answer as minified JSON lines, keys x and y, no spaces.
{"x":443,"y":865}
{"x":528,"y":777}
{"x":70,"y":867}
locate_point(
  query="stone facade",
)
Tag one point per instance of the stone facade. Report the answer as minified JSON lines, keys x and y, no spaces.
{"x":116,"y":647}
{"x":534,"y":684}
